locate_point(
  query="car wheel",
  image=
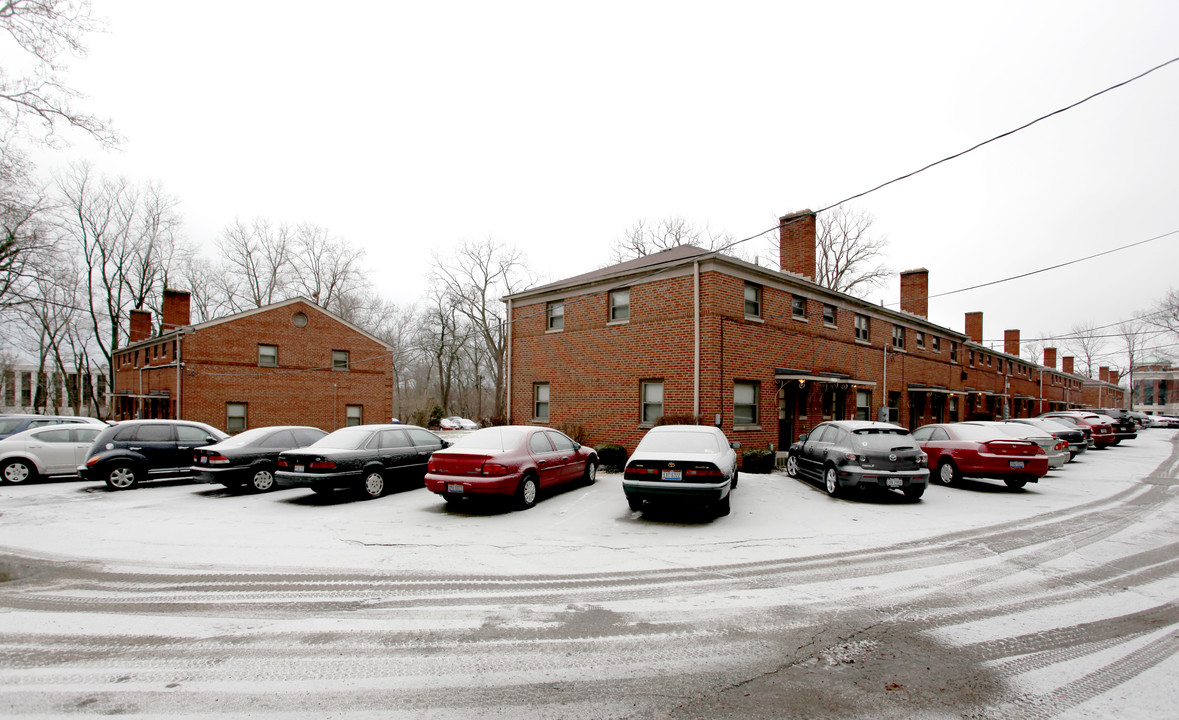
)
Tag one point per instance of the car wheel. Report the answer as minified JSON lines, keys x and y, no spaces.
{"x":914,"y":492}
{"x":262,"y":480}
{"x":725,"y":506}
{"x":526,"y":494}
{"x":792,"y":466}
{"x":831,"y":480}
{"x":591,"y":472}
{"x":120,"y":476}
{"x":947,"y":473}
{"x":635,"y":504}
{"x":374,"y":484}
{"x":1015,"y":483}
{"x":734,"y":480}
{"x":18,"y":471}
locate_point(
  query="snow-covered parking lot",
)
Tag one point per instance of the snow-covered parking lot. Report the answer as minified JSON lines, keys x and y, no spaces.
{"x":177,"y":598}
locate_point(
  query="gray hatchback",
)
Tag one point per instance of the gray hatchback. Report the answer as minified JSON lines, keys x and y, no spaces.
{"x":858,"y":454}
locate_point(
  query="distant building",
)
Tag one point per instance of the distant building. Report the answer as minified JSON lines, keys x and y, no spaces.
{"x":289,"y":363}
{"x":1156,"y":387}
{"x":26,"y":389}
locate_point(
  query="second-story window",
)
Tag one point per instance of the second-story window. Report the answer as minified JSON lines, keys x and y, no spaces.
{"x":752,"y":300}
{"x":953,"y":351}
{"x":829,"y":314}
{"x":935,"y":343}
{"x":268,"y":355}
{"x":620,"y":305}
{"x":556,"y":315}
{"x":339,"y":359}
{"x":898,"y":337}
{"x":862,"y":328}
{"x":798,"y":306}
{"x":919,"y":338}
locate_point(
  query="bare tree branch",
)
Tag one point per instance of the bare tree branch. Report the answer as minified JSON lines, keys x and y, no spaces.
{"x":847,"y":253}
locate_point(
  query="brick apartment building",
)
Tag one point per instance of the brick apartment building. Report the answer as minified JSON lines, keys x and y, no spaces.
{"x":289,"y":363}
{"x":765,"y":354}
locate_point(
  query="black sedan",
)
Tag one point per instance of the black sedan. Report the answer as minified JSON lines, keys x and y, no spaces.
{"x":858,"y":454}
{"x":248,"y":459}
{"x":366,"y":458}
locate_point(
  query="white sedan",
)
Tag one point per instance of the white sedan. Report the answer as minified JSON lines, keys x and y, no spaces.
{"x":694,"y":464}
{"x":51,"y":451}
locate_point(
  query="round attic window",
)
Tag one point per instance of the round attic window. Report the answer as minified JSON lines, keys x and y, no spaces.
{"x":299,"y":319}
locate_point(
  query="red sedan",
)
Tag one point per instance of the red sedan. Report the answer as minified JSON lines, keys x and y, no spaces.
{"x":516,"y":461}
{"x":960,"y":449}
{"x":1102,"y":433}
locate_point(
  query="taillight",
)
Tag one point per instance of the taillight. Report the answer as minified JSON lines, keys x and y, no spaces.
{"x":494,"y":469}
{"x":431,"y":467}
{"x":922,"y":460}
{"x":218,"y":460}
{"x":705,"y":472}
{"x":1062,"y":445}
{"x":284,"y":463}
{"x":322,"y":465}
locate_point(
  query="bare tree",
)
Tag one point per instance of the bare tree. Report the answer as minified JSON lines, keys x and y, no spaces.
{"x":647,"y":237}
{"x":327,"y":268}
{"x":847,"y":252}
{"x":1086,"y":343}
{"x":259,"y":256}
{"x":475,"y":279}
{"x":38,"y":101}
{"x":1033,"y":350}
{"x":1166,"y":312}
{"x":442,"y":337}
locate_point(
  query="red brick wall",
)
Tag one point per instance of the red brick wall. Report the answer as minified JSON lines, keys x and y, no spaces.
{"x":915,"y":292}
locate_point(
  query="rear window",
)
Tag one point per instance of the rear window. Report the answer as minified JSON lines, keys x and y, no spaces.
{"x":679,"y":442}
{"x":244,"y":438}
{"x":492,"y":439}
{"x":7,"y":427}
{"x":345,"y":439}
{"x":882,"y":439}
{"x":978,"y":433}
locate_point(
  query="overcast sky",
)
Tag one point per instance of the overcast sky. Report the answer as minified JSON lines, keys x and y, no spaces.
{"x":407,"y":127}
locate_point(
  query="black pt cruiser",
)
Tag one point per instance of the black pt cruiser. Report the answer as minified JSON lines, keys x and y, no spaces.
{"x":366,"y":458}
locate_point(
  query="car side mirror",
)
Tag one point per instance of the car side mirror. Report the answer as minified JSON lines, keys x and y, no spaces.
{"x":445,"y":444}
{"x":211,"y":440}
{"x":803,"y":437}
{"x":576,"y":446}
{"x":736,"y":445}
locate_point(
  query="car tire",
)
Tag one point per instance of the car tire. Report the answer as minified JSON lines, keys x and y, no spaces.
{"x":725,"y":506}
{"x":635,"y":504}
{"x":734,"y":485}
{"x":527,"y":492}
{"x":831,"y":481}
{"x":18,"y":471}
{"x":792,"y":465}
{"x":261,"y":481}
{"x":914,"y":492}
{"x":121,"y":476}
{"x":591,"y":472}
{"x":947,"y":473}
{"x":1015,"y":483}
{"x":374,"y":484}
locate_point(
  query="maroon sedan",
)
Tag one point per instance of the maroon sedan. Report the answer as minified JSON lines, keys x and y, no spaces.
{"x":515,"y":461}
{"x":961,"y":449}
{"x":1102,"y":432}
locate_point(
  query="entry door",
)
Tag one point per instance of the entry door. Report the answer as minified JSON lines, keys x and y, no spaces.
{"x":787,"y":414}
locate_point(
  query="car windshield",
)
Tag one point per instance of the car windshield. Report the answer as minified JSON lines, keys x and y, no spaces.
{"x":343,"y":439}
{"x":492,"y":439}
{"x":679,"y":442}
{"x":245,"y":438}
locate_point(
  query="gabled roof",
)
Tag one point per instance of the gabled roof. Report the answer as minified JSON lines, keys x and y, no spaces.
{"x":670,"y":256}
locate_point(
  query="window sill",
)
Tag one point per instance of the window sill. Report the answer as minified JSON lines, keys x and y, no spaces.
{"x":537,"y":420}
{"x":746,"y":428}
{"x":754,"y":318}
{"x":646,"y":426}
{"x":618,"y":322}
{"x":861,"y":341}
{"x":554,"y":330}
{"x":831,"y":325}
{"x":799,"y":319}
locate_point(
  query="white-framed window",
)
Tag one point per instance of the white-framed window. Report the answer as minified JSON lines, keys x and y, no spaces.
{"x":339,"y":359}
{"x":353,"y":415}
{"x":898,"y":337}
{"x":557,"y":315}
{"x":267,"y":356}
{"x":862,"y":325}
{"x":235,"y":417}
{"x":919,"y":338}
{"x":830,"y":314}
{"x":540,"y":401}
{"x":620,"y":305}
{"x":652,"y":401}
{"x":953,"y":351}
{"x":745,"y":395}
{"x":935,"y":343}
{"x":752,"y":300}
{"x":798,"y":306}
{"x":863,"y":405}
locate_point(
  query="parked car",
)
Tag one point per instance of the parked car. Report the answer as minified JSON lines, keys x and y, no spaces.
{"x":1101,"y":431}
{"x":1124,"y":427}
{"x":682,"y":463}
{"x":1164,"y":421}
{"x":448,"y":424}
{"x":466,"y":424}
{"x":132,"y":451}
{"x":958,"y":450}
{"x":52,"y":451}
{"x":366,"y":458}
{"x":1076,"y":437}
{"x":857,"y":454}
{"x":515,"y":461}
{"x":249,"y":459}
{"x":12,"y":424}
{"x":1055,"y":448}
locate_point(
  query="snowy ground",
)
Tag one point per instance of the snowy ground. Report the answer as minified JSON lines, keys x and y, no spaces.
{"x":165,"y":598}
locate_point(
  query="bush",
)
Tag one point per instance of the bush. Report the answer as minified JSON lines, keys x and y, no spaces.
{"x":495,"y":420}
{"x":577,"y":433}
{"x":680,"y":420}
{"x":757,"y":461}
{"x":612,"y":456}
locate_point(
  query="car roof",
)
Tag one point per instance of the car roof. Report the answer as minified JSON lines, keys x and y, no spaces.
{"x":863,"y":424}
{"x":684,"y":428}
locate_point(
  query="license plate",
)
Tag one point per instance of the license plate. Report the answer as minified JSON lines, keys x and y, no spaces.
{"x":896,"y":482}
{"x":1017,"y":463}
{"x":454,"y":488}
{"x":673,"y":475}
{"x":298,"y":468}
{"x":204,"y":459}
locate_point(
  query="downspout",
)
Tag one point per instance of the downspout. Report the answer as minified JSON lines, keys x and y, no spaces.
{"x":882,"y":415}
{"x":696,"y":352}
{"x":179,"y":375}
{"x":508,"y":368}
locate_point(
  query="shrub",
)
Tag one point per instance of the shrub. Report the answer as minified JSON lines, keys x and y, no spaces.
{"x":688,"y":419}
{"x":757,"y":461}
{"x":611,"y":455}
{"x":576,"y":432}
{"x":496,"y":420}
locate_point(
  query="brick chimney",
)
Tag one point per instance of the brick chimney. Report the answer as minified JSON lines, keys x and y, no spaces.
{"x":1103,"y":373}
{"x":140,"y":326}
{"x":176,"y":309}
{"x":974,"y":326}
{"x":1050,"y":358}
{"x":915,"y":292}
{"x":1114,"y":377}
{"x":1011,"y":342}
{"x":796,"y":243}
{"x":1066,"y":364}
